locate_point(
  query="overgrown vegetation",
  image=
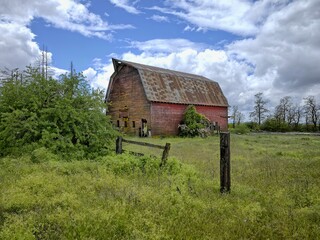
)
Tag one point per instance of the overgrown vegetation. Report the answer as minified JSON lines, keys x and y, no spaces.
{"x":64,"y":116}
{"x":274,"y":194}
{"x":194,"y":124}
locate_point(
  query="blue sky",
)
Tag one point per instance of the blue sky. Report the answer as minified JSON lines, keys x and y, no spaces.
{"x":247,"y":46}
{"x":70,"y":46}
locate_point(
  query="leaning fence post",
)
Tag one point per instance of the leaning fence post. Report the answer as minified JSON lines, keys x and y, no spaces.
{"x":165,"y":154}
{"x":119,"y":145}
{"x":225,"y":182}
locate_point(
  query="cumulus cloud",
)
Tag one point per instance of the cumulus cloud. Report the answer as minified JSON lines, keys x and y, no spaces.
{"x":99,"y":74}
{"x":57,"y":72}
{"x":126,"y":5}
{"x":65,"y":14}
{"x":287,"y":49}
{"x":17,"y":45}
{"x":90,"y":74}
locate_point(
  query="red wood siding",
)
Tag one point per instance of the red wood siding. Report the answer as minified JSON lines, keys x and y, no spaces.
{"x":165,"y":117}
{"x":127,"y":99}
{"x":215,"y":114}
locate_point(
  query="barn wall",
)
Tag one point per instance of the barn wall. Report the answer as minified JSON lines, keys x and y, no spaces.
{"x":215,"y":114}
{"x":128,"y":101}
{"x":165,"y":117}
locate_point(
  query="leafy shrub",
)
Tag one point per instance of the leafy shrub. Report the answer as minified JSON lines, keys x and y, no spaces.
{"x":195,"y":123}
{"x":253,"y":126}
{"x":241,"y":129}
{"x":272,"y":125}
{"x":65,"y":116}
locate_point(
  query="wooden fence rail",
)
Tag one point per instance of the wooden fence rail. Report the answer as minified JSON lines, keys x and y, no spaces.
{"x":165,"y":148}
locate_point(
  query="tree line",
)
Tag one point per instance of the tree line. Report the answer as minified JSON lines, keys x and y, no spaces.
{"x":286,"y":116}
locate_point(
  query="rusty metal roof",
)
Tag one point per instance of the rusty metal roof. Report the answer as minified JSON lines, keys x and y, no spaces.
{"x":168,"y":86}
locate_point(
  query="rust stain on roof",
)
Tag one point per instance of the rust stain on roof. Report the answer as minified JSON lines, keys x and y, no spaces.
{"x":168,"y":86}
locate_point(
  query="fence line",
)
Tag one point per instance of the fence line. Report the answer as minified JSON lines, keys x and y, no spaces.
{"x":165,"y":148}
{"x":143,"y":144}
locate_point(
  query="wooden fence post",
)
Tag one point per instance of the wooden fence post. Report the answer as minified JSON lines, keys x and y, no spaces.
{"x":225,"y":182}
{"x":165,"y":154}
{"x":119,"y":145}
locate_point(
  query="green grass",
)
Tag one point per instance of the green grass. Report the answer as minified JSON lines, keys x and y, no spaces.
{"x":275,"y":192}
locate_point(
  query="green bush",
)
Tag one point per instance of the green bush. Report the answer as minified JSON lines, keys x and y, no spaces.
{"x":195,"y":123}
{"x":240,"y":129}
{"x":272,"y":125}
{"x":65,"y":116}
{"x":253,"y":126}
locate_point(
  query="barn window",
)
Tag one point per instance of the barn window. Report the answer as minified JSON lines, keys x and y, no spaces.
{"x":133,"y":124}
{"x":125,"y":119}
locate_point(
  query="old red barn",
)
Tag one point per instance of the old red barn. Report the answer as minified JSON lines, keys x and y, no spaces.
{"x":141,"y":96}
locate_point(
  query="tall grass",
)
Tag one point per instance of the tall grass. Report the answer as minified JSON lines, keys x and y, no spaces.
{"x":275,"y":192}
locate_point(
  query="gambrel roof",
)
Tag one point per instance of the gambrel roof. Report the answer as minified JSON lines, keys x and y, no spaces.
{"x":168,"y":86}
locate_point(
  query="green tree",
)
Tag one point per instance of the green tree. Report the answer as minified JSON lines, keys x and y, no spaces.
{"x":65,"y":115}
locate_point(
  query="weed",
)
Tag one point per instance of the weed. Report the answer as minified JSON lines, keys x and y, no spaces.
{"x":274,"y":192}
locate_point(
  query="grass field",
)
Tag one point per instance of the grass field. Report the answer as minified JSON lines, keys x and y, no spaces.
{"x":275,"y":192}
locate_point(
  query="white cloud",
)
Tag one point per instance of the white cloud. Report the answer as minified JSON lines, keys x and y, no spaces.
{"x":241,"y":17}
{"x":188,"y":28}
{"x":191,"y":29}
{"x":90,"y":74}
{"x":17,"y":45}
{"x":56,"y":72}
{"x":65,"y":14}
{"x":287,"y":50}
{"x":126,"y":5}
{"x":159,"y":18}
{"x":99,"y":75}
